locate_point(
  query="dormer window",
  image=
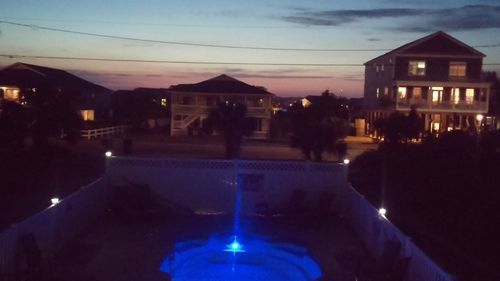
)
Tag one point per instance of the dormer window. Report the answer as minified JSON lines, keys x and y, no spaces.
{"x":416,"y":68}
{"x":458,"y":68}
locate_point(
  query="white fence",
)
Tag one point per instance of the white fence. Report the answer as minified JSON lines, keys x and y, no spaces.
{"x":210,"y":185}
{"x":103,"y":132}
{"x":375,"y":231}
{"x":54,"y":226}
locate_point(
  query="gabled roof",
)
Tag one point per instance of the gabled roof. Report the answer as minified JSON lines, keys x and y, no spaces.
{"x":223,"y":84}
{"x":438,"y":43}
{"x":31,"y":76}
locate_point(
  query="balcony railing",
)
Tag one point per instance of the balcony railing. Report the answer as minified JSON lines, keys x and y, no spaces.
{"x":443,"y":105}
{"x":205,"y":110}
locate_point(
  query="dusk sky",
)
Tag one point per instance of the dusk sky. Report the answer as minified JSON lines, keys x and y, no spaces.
{"x":348,"y":25}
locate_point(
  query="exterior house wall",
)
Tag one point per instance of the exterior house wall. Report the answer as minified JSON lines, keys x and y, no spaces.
{"x":437,"y":69}
{"x":378,"y":75}
{"x":189,"y":110}
{"x":444,"y":102}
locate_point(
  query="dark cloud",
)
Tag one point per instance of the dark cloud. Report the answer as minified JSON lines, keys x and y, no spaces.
{"x":272,"y":74}
{"x":468,"y":17}
{"x":278,"y":76}
{"x":339,"y":17}
{"x":241,"y":73}
{"x":373,"y":39}
{"x":351,"y":77}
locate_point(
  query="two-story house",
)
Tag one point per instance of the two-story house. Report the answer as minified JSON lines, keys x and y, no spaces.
{"x":192,"y":103}
{"x":20,"y":81}
{"x":438,"y":75}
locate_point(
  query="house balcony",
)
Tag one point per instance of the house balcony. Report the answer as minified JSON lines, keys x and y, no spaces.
{"x":204,"y":110}
{"x":451,"y":106}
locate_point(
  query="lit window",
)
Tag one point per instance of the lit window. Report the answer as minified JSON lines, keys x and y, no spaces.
{"x":455,"y":95}
{"x":386,"y":91}
{"x":416,"y":68}
{"x":435,"y":126}
{"x":402,"y":93}
{"x":382,"y":67}
{"x":437,"y":94}
{"x":458,"y":69}
{"x":11,"y":94}
{"x":164,"y":102}
{"x":87,"y":114}
{"x":378,"y":92}
{"x":469,"y":96}
{"x":377,"y":68}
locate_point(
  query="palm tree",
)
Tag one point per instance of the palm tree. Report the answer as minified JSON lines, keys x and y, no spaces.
{"x":229,"y":120}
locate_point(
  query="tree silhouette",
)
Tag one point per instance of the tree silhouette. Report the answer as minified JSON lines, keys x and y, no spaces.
{"x":54,"y":112}
{"x":320,"y":127}
{"x":14,"y":122}
{"x":494,"y":104}
{"x":399,"y":128}
{"x":229,"y":120}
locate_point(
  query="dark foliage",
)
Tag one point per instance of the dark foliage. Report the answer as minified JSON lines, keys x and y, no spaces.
{"x":320,"y":127}
{"x":136,"y":108}
{"x":229,"y":120}
{"x":400,"y":128}
{"x":54,"y":113}
{"x":444,"y":193}
{"x":14,"y":122}
{"x":281,"y":124}
{"x":492,"y":77}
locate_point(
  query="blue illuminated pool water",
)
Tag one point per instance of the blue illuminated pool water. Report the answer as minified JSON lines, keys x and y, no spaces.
{"x":253,"y":258}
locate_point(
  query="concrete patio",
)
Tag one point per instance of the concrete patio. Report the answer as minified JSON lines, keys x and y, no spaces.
{"x":133,"y":246}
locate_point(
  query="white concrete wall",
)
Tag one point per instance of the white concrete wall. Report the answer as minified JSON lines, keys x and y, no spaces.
{"x":54,"y":226}
{"x":375,"y":231}
{"x":211,"y":184}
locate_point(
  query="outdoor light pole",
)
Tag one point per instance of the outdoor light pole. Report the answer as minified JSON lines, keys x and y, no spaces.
{"x":479,"y":119}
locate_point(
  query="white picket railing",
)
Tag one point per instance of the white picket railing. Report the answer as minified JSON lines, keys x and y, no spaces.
{"x":103,"y":132}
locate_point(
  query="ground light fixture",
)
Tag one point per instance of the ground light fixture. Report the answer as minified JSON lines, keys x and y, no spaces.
{"x":382,"y":211}
{"x":54,"y":201}
{"x":346,"y":161}
{"x":108,"y":153}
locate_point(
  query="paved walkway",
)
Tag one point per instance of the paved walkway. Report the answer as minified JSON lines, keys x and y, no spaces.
{"x":212,"y":147}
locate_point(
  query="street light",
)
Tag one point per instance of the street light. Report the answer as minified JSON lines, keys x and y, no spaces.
{"x":108,"y":153}
{"x":479,"y":118}
{"x":346,"y":161}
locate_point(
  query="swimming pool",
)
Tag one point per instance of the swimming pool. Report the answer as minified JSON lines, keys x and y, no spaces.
{"x":253,"y":258}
